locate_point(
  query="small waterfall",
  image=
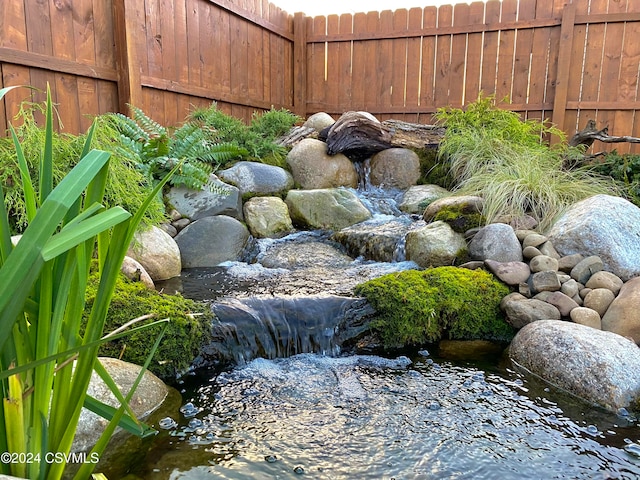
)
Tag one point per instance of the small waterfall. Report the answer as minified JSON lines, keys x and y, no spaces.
{"x":276,"y":327}
{"x":363,"y":168}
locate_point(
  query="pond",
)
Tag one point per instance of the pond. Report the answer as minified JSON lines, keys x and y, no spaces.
{"x":367,"y":417}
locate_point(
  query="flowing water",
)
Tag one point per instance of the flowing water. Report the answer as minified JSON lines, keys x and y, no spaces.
{"x":323,"y":414}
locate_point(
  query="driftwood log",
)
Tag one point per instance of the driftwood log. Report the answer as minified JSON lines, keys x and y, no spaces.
{"x":359,"y":135}
{"x":590,"y":133}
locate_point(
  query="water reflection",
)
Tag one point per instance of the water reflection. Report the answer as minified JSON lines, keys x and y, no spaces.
{"x":365,"y":417}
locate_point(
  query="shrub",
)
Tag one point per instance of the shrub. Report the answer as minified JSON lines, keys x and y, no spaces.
{"x":154,"y":151}
{"x":258,"y":138}
{"x":189,"y":327}
{"x":416,"y":307}
{"x":625,"y":169}
{"x":126,"y":186}
{"x":494,"y":154}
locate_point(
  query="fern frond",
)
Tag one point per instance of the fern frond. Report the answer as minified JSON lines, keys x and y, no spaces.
{"x":153,"y":128}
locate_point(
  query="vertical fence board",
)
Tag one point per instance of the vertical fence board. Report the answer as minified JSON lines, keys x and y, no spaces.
{"x":412,"y":93}
{"x":538,"y":79}
{"x":193,"y":42}
{"x":458,"y":56}
{"x":332,"y":84}
{"x":358,"y":68}
{"x":427,"y":69}
{"x":443,"y":57}
{"x":399,"y":60}
{"x":523,"y":55}
{"x":371,"y":63}
{"x":384,"y":74}
{"x":474,"y":54}
{"x":490,"y":51}
{"x":344,"y":63}
{"x":506,"y":52}
{"x":317,"y":59}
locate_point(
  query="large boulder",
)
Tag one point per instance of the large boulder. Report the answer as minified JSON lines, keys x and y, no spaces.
{"x":258,"y":178}
{"x":328,"y":208}
{"x":599,"y":367}
{"x":293,"y":255}
{"x":313,"y":168}
{"x":319,"y":121}
{"x":212,"y":240}
{"x":435,"y":245}
{"x":149,"y":395}
{"x":622,"y":315}
{"x":395,"y":168}
{"x":603,"y":226}
{"x":418,"y":197}
{"x":497,"y":241}
{"x":216,"y":199}
{"x":267,"y":217}
{"x":157,"y":252}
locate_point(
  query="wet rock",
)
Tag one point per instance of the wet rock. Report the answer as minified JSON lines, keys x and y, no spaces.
{"x":292,"y":255}
{"x":157,"y":252}
{"x":606,"y":280}
{"x":520,"y":311}
{"x":180,"y":224}
{"x":267,"y":217}
{"x":258,"y":178}
{"x":543,"y":263}
{"x":374,"y":241}
{"x":313,"y":168}
{"x":497,"y":242}
{"x":530,"y":252}
{"x":319,"y":121}
{"x":511,"y":273}
{"x":585,"y":268}
{"x":544,"y":282}
{"x":418,"y":197}
{"x":622,"y":315}
{"x":149,"y":395}
{"x":219,"y":199}
{"x":212,"y":240}
{"x":134,"y":271}
{"x":571,"y":288}
{"x":395,"y":168}
{"x":566,"y":264}
{"x":599,"y":299}
{"x":465,"y":204}
{"x":328,"y":209}
{"x":562,"y":302}
{"x":170,"y":229}
{"x":600,"y":367}
{"x":549,"y":250}
{"x":587,"y":317}
{"x":533,"y":240}
{"x":435,"y":245}
{"x":602,"y":225}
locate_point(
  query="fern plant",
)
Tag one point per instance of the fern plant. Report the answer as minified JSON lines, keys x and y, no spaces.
{"x":155,"y":152}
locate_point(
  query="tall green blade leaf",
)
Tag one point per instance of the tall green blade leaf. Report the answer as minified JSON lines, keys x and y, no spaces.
{"x":46,"y":162}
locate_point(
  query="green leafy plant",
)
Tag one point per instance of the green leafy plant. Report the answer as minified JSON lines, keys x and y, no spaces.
{"x":625,"y":169}
{"x":46,"y":365}
{"x":417,"y":307}
{"x":155,"y":151}
{"x":258,"y":138}
{"x":125,"y":186}
{"x":494,"y":154}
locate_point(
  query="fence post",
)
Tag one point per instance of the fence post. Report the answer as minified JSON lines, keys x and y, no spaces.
{"x":564,"y":67}
{"x":127,"y":64}
{"x":300,"y":64}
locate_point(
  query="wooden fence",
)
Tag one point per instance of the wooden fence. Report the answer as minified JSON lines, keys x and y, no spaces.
{"x":163,"y":56}
{"x":564,"y":60}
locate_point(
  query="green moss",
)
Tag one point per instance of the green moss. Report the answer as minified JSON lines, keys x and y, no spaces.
{"x":417,"y":307}
{"x":433,"y":170}
{"x":188,"y":329}
{"x":460,"y":217}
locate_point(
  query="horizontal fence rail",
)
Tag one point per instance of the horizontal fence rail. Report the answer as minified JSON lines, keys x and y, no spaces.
{"x":568,"y":61}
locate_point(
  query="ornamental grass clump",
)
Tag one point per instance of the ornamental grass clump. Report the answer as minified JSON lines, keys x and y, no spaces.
{"x":492,"y":153}
{"x":418,"y":307}
{"x":47,"y":352}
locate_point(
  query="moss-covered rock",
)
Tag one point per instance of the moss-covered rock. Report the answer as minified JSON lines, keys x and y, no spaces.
{"x":417,"y":307}
{"x":189,"y":327}
{"x":460,"y":217}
